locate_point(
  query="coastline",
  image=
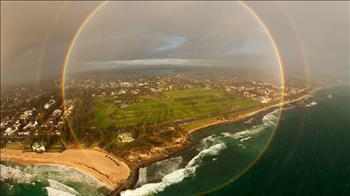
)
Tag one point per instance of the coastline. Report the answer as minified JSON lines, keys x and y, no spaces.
{"x":115,"y":177}
{"x":246,"y":116}
{"x":105,"y":168}
{"x":133,"y":181}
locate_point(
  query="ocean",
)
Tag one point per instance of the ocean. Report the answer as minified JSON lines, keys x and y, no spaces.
{"x":41,"y":179}
{"x":306,"y":152}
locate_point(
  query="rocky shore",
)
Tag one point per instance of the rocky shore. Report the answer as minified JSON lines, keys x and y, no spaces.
{"x":160,"y":153}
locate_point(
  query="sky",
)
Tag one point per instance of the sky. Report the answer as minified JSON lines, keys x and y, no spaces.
{"x":313,"y":37}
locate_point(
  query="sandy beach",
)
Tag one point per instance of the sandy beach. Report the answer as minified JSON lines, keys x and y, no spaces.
{"x":106,"y":168}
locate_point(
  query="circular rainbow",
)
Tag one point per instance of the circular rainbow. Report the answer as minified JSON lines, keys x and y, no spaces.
{"x":246,"y":7}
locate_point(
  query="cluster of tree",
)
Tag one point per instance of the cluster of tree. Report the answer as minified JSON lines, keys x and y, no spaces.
{"x":78,"y":127}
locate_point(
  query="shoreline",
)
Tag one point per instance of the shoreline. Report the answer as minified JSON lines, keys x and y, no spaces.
{"x":104,"y":174}
{"x":105,"y":168}
{"x":132,"y":182}
{"x":246,"y":116}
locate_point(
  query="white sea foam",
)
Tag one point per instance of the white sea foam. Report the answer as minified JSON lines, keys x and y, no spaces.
{"x":14,"y":174}
{"x":242,"y":145}
{"x":268,"y":120}
{"x":248,"y":121}
{"x":289,"y":107}
{"x":206,"y":142}
{"x":151,"y":188}
{"x":210,"y":149}
{"x":168,"y":165}
{"x":226,"y":134}
{"x":245,"y":139}
{"x":208,"y":139}
{"x":142,"y":179}
{"x":55,"y":192}
{"x":311,"y":104}
{"x":161,"y":169}
{"x":246,"y":133}
{"x":271,"y":118}
{"x":62,"y":187}
{"x":63,"y":173}
{"x":56,"y":175}
{"x":177,"y":175}
{"x":213,"y":150}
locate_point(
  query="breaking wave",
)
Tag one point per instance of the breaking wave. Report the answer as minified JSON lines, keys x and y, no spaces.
{"x":206,"y":142}
{"x":289,"y":107}
{"x":55,"y":176}
{"x":56,"y":192}
{"x":311,"y":104}
{"x":14,"y":174}
{"x":244,"y":139}
{"x":158,"y":170}
{"x":61,"y":187}
{"x":210,"y":146}
{"x":269,"y":120}
{"x":177,"y":175}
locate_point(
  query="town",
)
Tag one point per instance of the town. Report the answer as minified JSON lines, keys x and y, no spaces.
{"x":42,"y":120}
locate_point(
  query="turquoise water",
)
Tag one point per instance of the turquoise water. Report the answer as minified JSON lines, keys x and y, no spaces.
{"x":309,"y":155}
{"x":30,"y":180}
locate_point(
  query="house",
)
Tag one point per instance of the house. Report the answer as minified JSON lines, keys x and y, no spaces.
{"x":57,"y":113}
{"x":123,"y":105}
{"x":9,"y":131}
{"x":38,"y":147}
{"x":26,"y":114}
{"x":28,"y":126}
{"x":24,"y":133}
{"x":265,"y":100}
{"x":3,"y":124}
{"x":125,"y":137}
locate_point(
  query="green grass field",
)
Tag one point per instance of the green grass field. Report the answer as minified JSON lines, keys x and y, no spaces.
{"x":179,"y":104}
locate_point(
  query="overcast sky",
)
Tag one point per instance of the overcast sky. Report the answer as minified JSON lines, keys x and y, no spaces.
{"x":35,"y":36}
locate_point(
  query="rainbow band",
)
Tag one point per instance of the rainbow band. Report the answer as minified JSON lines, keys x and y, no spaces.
{"x":274,"y":45}
{"x":281,"y":66}
{"x":257,"y":18}
{"x":93,"y":13}
{"x":72,"y":44}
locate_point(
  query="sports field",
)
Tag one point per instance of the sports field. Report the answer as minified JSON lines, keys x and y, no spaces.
{"x":178,"y":105}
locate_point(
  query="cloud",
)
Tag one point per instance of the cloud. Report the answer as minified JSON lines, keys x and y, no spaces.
{"x":247,"y":46}
{"x":141,"y":62}
{"x":172,"y":43}
{"x":35,"y":35}
{"x":169,"y":61}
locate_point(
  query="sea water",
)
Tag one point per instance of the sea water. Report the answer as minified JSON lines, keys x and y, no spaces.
{"x":309,"y":154}
{"x":52,"y":180}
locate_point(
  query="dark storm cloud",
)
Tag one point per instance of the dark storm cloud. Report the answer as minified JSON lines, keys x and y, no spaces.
{"x":190,"y":31}
{"x":35,"y":36}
